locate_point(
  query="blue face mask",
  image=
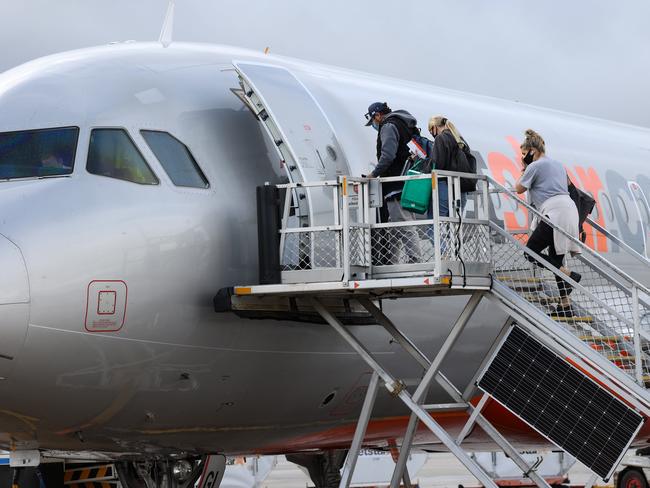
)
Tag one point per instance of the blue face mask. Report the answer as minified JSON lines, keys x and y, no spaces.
{"x":375,"y":125}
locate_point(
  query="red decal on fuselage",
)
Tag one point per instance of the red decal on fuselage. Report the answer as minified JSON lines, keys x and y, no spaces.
{"x":508,"y":170}
{"x":504,"y":169}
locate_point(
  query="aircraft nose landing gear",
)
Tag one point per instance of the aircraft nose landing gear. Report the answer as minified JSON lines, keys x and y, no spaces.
{"x":324,"y":469}
{"x":182,"y":473}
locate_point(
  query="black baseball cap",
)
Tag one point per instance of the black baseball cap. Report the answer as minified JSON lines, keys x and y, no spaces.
{"x":376,"y":108}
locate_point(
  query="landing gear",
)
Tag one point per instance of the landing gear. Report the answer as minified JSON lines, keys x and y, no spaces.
{"x":632,"y":478}
{"x":324,"y":468}
{"x":160,"y":474}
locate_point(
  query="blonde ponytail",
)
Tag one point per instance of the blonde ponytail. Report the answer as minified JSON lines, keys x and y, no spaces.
{"x":444,"y":123}
{"x":533,"y":140}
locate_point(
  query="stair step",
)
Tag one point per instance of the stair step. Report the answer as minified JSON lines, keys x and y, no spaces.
{"x":605,"y":338}
{"x":537,"y":298}
{"x":522,"y":279}
{"x":574,"y":319}
{"x":621,"y":357}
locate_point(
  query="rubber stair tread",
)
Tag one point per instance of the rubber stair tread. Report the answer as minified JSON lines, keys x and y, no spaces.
{"x":618,"y":357}
{"x":573,"y":319}
{"x":537,"y":298}
{"x":521,"y":279}
{"x":605,"y":338}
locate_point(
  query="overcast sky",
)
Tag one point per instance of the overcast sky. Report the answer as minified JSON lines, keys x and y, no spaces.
{"x":585,"y":56}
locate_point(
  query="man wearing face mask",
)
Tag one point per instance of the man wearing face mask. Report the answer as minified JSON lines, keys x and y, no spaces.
{"x":395,"y":130}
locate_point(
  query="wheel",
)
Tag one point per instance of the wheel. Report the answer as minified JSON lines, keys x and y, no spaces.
{"x":632,"y":478}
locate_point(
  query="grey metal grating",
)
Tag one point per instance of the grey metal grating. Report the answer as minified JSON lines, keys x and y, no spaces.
{"x":560,"y":402}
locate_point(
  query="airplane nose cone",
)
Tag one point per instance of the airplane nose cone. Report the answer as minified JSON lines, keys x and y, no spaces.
{"x":14,"y":304}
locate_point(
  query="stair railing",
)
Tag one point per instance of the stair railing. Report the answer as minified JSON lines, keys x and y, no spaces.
{"x":609,"y":302}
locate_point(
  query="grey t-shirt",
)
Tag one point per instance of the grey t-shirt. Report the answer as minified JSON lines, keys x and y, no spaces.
{"x":544,"y":178}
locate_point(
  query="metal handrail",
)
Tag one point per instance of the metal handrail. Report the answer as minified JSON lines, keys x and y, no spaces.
{"x":354,"y":225}
{"x":427,"y":176}
{"x":632,"y":252}
{"x":633,"y":325}
{"x":618,"y":380}
{"x":565,"y":277}
{"x":591,"y":252}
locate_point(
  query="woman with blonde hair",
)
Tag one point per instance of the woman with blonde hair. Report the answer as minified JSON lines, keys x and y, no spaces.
{"x":546,"y":182}
{"x":450,"y":153}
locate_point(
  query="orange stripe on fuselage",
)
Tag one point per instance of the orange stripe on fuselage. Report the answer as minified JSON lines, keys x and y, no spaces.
{"x":384,"y":432}
{"x":507,"y":171}
{"x":381,"y":431}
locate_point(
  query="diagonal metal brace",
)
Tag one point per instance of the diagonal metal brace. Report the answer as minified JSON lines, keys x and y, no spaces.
{"x":431,"y":368}
{"x":471,"y":465}
{"x":449,"y":387}
{"x":360,"y":432}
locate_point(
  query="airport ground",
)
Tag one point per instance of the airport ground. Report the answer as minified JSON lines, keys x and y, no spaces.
{"x":440,"y":471}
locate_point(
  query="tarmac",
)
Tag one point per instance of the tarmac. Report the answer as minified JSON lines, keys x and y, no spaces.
{"x":440,"y":471}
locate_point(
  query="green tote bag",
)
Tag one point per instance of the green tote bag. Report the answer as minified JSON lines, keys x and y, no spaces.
{"x":416,"y":195}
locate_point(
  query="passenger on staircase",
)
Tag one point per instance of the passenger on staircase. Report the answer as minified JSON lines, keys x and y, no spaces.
{"x":546,"y":182}
{"x":450,"y":152}
{"x":394,"y":131}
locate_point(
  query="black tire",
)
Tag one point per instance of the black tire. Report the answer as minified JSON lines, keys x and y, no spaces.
{"x":632,"y":478}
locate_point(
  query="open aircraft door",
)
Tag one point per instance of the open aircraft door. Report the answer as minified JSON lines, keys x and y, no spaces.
{"x":298,"y":128}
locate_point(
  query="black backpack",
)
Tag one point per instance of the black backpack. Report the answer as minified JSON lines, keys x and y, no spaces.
{"x":584,"y":203}
{"x":466,"y":163}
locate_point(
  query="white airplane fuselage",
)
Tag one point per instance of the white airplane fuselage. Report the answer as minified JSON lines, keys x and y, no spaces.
{"x":174,"y":375}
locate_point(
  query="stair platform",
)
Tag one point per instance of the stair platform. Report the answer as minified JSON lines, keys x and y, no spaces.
{"x":416,"y":286}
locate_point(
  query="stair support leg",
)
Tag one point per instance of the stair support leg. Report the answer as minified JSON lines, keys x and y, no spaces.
{"x":404,"y":451}
{"x":397,"y":389}
{"x":494,"y":434}
{"x":431,"y":367}
{"x":360,"y":432}
{"x":419,"y":356}
{"x":406,"y":479}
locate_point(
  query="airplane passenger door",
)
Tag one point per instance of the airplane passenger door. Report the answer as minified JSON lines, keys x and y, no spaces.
{"x":299,"y":129}
{"x":642,"y":210}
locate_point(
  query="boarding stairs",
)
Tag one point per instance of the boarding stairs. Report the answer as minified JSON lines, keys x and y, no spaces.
{"x":337,"y":272}
{"x":578,"y":379}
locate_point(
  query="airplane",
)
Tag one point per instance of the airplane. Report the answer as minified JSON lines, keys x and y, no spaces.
{"x":142,"y":206}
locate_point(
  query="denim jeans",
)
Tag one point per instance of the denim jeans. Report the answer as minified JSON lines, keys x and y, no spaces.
{"x":443,"y":200}
{"x":443,"y":204}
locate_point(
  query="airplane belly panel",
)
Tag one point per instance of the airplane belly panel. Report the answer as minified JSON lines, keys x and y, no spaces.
{"x":121,"y":394}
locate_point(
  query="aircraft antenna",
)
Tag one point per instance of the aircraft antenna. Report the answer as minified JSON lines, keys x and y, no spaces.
{"x":168,"y":26}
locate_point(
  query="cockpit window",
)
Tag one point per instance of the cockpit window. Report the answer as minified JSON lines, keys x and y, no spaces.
{"x":37,"y":153}
{"x":176,"y":158}
{"x":112,"y":153}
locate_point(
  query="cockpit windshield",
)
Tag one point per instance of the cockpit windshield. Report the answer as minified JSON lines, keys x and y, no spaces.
{"x":37,"y":153}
